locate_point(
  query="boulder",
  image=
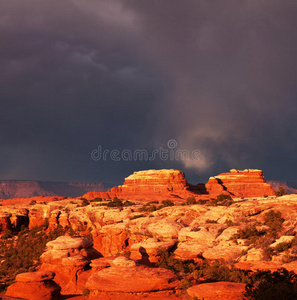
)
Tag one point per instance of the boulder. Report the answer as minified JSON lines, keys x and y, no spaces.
{"x":35,"y":286}
{"x":68,"y":257}
{"x":149,"y":248}
{"x":126,"y":277}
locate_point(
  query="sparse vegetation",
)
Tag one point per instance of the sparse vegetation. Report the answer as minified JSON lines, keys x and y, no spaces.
{"x":273,"y":219}
{"x":85,"y":202}
{"x":216,"y":270}
{"x":191,"y":201}
{"x":116,"y":202}
{"x":280,"y":192}
{"x":21,"y":253}
{"x":280,"y":285}
{"x":166,"y":203}
{"x":208,"y":221}
{"x":221,"y":200}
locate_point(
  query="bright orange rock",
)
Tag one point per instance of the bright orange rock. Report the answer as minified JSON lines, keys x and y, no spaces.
{"x":35,"y":286}
{"x":126,"y":277}
{"x":247,"y":183}
{"x":150,"y":185}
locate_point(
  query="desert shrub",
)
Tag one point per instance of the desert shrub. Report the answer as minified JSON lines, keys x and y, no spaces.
{"x":268,"y":252}
{"x":191,"y":200}
{"x":247,"y":233}
{"x":214,"y":271}
{"x":116,"y":202}
{"x":85,"y":202}
{"x":166,"y":203}
{"x":280,"y":192}
{"x":222,"y":200}
{"x":273,"y":219}
{"x":148,"y":208}
{"x":280,"y":285}
{"x":283,"y":246}
{"x":97,"y":199}
{"x":201,"y":201}
{"x":208,"y":221}
{"x":263,"y":242}
{"x":33,"y":202}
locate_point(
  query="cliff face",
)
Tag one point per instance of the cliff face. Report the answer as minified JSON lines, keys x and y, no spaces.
{"x":31,"y":188}
{"x":247,"y":183}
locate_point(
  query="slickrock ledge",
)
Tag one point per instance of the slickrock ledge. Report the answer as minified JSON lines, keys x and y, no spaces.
{"x":218,"y":290}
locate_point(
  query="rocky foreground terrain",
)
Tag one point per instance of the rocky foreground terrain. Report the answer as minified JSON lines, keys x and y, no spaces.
{"x":194,"y":246}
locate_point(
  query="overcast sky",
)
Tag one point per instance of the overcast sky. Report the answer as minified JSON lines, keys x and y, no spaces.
{"x":213,"y":78}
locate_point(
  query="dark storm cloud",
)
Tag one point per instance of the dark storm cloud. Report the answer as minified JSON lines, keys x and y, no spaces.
{"x":217,"y":76}
{"x":234,"y":70}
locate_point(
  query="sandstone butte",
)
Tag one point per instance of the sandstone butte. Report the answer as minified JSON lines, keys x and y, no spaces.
{"x":171,"y":184}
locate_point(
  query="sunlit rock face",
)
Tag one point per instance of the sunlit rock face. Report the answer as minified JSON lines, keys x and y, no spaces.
{"x":151,"y":185}
{"x":171,"y":184}
{"x":34,"y":286}
{"x":246,"y":183}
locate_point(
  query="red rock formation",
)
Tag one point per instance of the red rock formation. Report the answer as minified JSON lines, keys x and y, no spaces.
{"x":150,"y":185}
{"x":68,"y":257}
{"x":247,"y":183}
{"x":5,"y":223}
{"x":35,"y":286}
{"x":126,"y":277}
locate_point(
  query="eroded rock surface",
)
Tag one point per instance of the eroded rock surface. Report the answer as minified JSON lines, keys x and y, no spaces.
{"x":35,"y":286}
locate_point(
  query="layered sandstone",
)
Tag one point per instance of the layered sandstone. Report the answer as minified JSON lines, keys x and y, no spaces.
{"x":247,"y":183}
{"x":151,"y":185}
{"x":171,"y":184}
{"x":68,"y":257}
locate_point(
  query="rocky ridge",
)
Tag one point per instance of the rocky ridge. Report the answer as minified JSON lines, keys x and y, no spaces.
{"x":171,"y":184}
